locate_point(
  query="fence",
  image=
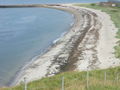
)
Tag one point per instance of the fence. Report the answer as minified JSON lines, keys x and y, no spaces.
{"x":78,"y":81}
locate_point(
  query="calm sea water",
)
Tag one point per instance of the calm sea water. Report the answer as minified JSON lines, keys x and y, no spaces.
{"x":46,"y":1}
{"x":27,"y":32}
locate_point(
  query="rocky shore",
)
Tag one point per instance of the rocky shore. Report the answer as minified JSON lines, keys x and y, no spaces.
{"x":79,"y":49}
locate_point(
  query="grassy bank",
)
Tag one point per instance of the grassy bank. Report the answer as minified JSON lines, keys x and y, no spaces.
{"x":114,"y":12}
{"x":97,"y":80}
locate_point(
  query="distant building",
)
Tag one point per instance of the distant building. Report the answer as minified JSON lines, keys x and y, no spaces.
{"x":111,"y":3}
{"x":117,"y":2}
{"x":107,"y":4}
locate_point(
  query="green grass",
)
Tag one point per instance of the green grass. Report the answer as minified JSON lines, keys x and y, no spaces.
{"x":114,"y":12}
{"x":76,"y":81}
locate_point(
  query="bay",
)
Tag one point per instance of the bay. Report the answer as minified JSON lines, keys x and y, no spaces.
{"x":28,"y":32}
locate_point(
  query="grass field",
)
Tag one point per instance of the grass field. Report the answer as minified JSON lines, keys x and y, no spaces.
{"x":97,"y":80}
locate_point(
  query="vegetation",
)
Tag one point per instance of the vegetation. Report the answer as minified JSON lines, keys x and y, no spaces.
{"x":77,"y":81}
{"x":114,"y":12}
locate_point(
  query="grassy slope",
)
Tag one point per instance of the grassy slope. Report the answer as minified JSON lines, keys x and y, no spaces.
{"x":114,"y":12}
{"x":77,"y":80}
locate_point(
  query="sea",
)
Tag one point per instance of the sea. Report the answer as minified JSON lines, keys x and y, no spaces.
{"x":26,"y":33}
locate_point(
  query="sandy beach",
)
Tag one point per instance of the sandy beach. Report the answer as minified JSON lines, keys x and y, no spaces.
{"x":88,"y":45}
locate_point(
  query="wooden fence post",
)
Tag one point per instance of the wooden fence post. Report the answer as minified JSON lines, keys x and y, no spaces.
{"x":62,"y":83}
{"x":87,"y":76}
{"x":105,"y":77}
{"x":25,"y":83}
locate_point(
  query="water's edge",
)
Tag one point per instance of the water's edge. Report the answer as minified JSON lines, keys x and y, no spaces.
{"x":18,"y":74}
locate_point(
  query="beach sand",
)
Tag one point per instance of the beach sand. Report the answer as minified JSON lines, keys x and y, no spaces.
{"x":88,"y":45}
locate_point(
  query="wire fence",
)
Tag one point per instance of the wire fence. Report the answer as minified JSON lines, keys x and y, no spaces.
{"x":86,"y":81}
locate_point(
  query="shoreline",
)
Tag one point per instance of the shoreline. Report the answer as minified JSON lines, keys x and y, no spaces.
{"x":103,"y":56}
{"x":18,"y":73}
{"x":74,"y":36}
{"x":16,"y":77}
{"x":59,"y":7}
{"x":83,"y":47}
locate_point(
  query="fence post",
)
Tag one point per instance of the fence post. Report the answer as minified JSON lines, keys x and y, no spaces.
{"x":62,"y":83}
{"x":25,"y":83}
{"x":117,"y":77}
{"x":87,"y":76}
{"x":105,"y":77}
